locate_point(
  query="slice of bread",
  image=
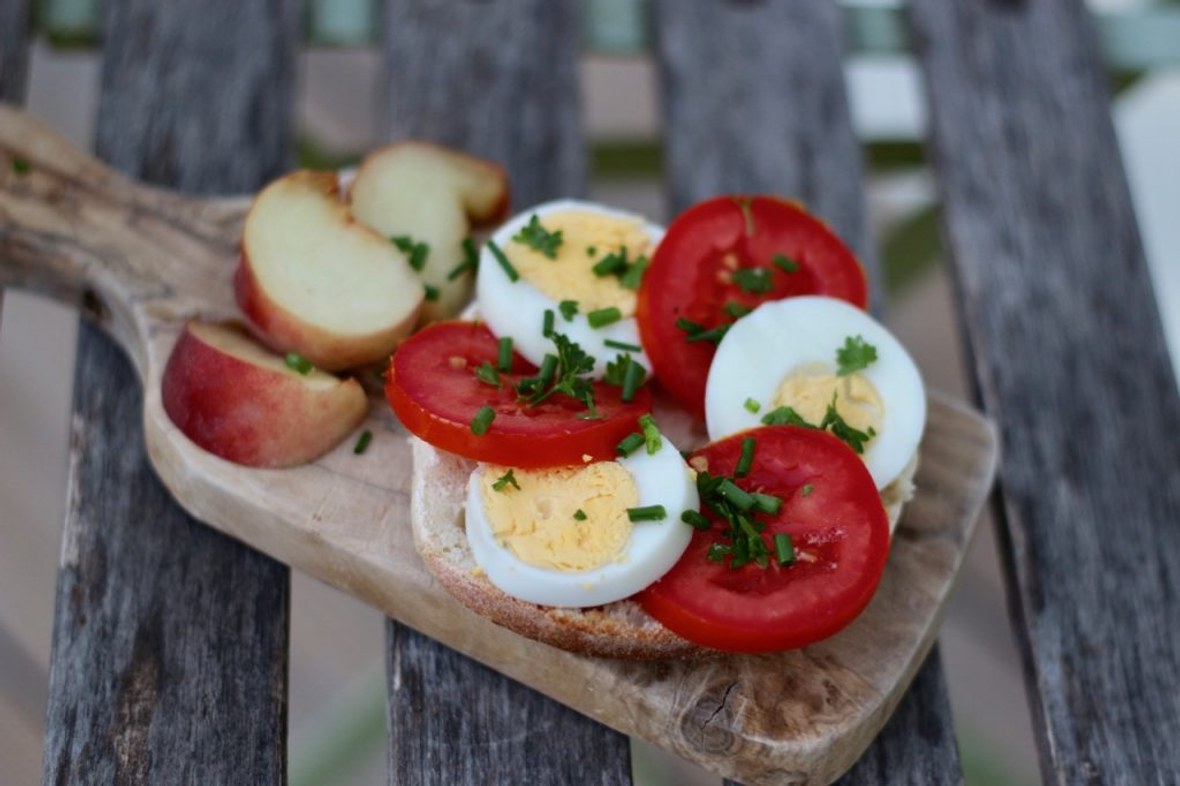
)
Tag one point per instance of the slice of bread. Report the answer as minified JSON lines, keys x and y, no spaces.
{"x":616,"y":630}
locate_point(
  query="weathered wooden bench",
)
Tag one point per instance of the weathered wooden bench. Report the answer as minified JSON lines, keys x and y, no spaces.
{"x":170,"y":641}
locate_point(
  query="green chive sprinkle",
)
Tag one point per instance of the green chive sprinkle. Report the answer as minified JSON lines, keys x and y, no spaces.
{"x":362,"y":443}
{"x":767,"y":503}
{"x":416,"y":252}
{"x":579,"y":515}
{"x":610,"y":264}
{"x":651,"y":434}
{"x":649,"y":513}
{"x":755,"y":280}
{"x":431,"y":292}
{"x":784,"y":549}
{"x":297,"y":362}
{"x":737,"y":310}
{"x":591,"y":250}
{"x":807,"y":489}
{"x":623,"y":345}
{"x":504,"y":354}
{"x":506,"y":480}
{"x":20,"y":166}
{"x":741,"y":500}
{"x":784,"y":416}
{"x":568,"y":309}
{"x":747,"y":458}
{"x":482,"y":420}
{"x":470,"y":260}
{"x":634,"y":275}
{"x":629,"y":444}
{"x":785,"y":263}
{"x":548,"y":370}
{"x":694,"y":519}
{"x":547,"y":323}
{"x":487,"y":374}
{"x":604,"y":316}
{"x":751,"y":405}
{"x":509,"y":270}
{"x":632,"y":379}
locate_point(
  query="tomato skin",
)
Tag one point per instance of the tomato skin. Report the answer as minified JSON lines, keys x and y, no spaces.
{"x":839,"y":526}
{"x":688,"y":278}
{"x":433,"y":390}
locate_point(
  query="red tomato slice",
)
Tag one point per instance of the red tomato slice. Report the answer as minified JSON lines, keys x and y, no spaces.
{"x":433,"y":389}
{"x":690,"y":277}
{"x":840,"y":532}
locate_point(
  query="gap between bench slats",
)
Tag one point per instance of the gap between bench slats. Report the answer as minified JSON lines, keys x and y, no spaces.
{"x":499,"y":80}
{"x":754,"y":101}
{"x":1070,"y":360}
{"x":169,"y":658}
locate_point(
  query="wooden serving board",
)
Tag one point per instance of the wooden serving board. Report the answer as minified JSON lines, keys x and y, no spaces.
{"x":142,"y":261}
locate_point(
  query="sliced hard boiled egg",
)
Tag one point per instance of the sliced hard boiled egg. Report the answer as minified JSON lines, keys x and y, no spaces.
{"x":565,"y":536}
{"x":786,"y":356}
{"x":570,"y":258}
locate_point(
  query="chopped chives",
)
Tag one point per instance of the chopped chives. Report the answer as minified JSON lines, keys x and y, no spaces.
{"x":694,"y":519}
{"x":741,"y":500}
{"x":767,"y":503}
{"x":297,"y":362}
{"x":609,"y":265}
{"x":747,"y":458}
{"x":737,"y":310}
{"x":633,"y":277}
{"x":470,"y":260}
{"x":784,"y":416}
{"x":629,"y":444}
{"x":651,"y":434}
{"x":504,"y":354}
{"x":579,"y":515}
{"x":431,"y":292}
{"x":509,"y":270}
{"x":416,"y":252}
{"x":632,"y":379}
{"x":482,"y":420}
{"x":568,"y":309}
{"x":604,"y":316}
{"x":487,"y":374}
{"x":785,"y":263}
{"x":751,"y":405}
{"x":591,"y":250}
{"x":807,"y":489}
{"x":548,"y":369}
{"x":784,"y":549}
{"x":506,"y":480}
{"x":547,"y":323}
{"x":649,"y":513}
{"x":362,"y":443}
{"x":623,"y":345}
{"x":755,"y":280}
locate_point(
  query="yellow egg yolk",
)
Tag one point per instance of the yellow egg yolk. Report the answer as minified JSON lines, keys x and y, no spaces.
{"x":809,"y":390}
{"x":585,"y":239}
{"x":539,"y":522}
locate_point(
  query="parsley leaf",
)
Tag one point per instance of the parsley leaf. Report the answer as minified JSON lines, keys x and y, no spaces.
{"x":856,"y":354}
{"x":855,"y":438}
{"x":538,"y":237}
{"x":565,"y":375}
{"x":755,"y":280}
{"x":785,"y":416}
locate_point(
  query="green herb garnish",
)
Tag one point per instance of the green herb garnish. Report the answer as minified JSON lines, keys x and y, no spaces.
{"x":746,"y":461}
{"x":579,"y":515}
{"x":362,"y":442}
{"x":604,"y":316}
{"x":836,"y":424}
{"x":470,"y":260}
{"x":755,"y":280}
{"x":651,"y":434}
{"x":611,"y":264}
{"x":767,"y":503}
{"x":737,"y":508}
{"x":694,"y":519}
{"x":509,"y":270}
{"x":506,"y":480}
{"x":807,"y":489}
{"x":736,"y":309}
{"x":482,"y":420}
{"x":697,"y":332}
{"x":633,"y":276}
{"x":629,"y":444}
{"x":854,"y":356}
{"x":751,"y":405}
{"x":431,"y":292}
{"x":547,"y":323}
{"x":568,"y":309}
{"x":784,"y":549}
{"x":415,"y":252}
{"x":649,"y":513}
{"x":538,"y":237}
{"x":785,"y":416}
{"x":504,"y":354}
{"x":297,"y":362}
{"x":567,"y":377}
{"x":785,"y":263}
{"x":623,"y":345}
{"x":487,"y":374}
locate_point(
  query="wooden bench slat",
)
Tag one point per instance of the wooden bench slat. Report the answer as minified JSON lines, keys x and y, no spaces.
{"x":1070,"y":360}
{"x":754,"y":101}
{"x":169,"y":659}
{"x":499,"y":80}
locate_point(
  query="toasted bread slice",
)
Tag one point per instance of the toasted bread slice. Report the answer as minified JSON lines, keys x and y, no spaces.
{"x":616,"y":630}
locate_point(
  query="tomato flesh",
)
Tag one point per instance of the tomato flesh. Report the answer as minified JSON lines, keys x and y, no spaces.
{"x":435,"y":394}
{"x":690,"y":277}
{"x":839,"y":528}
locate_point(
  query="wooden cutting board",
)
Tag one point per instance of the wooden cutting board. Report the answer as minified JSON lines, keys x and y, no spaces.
{"x":141,"y":262}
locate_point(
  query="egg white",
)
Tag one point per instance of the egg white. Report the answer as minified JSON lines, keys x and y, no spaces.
{"x":652,"y":549}
{"x":517,"y":308}
{"x":779,"y":336}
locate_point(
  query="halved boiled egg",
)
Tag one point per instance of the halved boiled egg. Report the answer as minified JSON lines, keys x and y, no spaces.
{"x":577,"y":260}
{"x":582,"y":535}
{"x":804,"y":356}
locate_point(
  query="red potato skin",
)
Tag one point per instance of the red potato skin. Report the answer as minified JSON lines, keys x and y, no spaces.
{"x":251,"y":415}
{"x":282,"y":331}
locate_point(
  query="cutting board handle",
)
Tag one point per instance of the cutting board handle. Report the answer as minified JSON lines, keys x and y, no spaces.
{"x":75,"y":230}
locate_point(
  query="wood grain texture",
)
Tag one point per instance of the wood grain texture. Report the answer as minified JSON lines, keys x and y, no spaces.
{"x":754,"y":101}
{"x":1070,"y":359}
{"x":14,"y":49}
{"x":499,"y":79}
{"x":169,"y":660}
{"x":799,"y":717}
